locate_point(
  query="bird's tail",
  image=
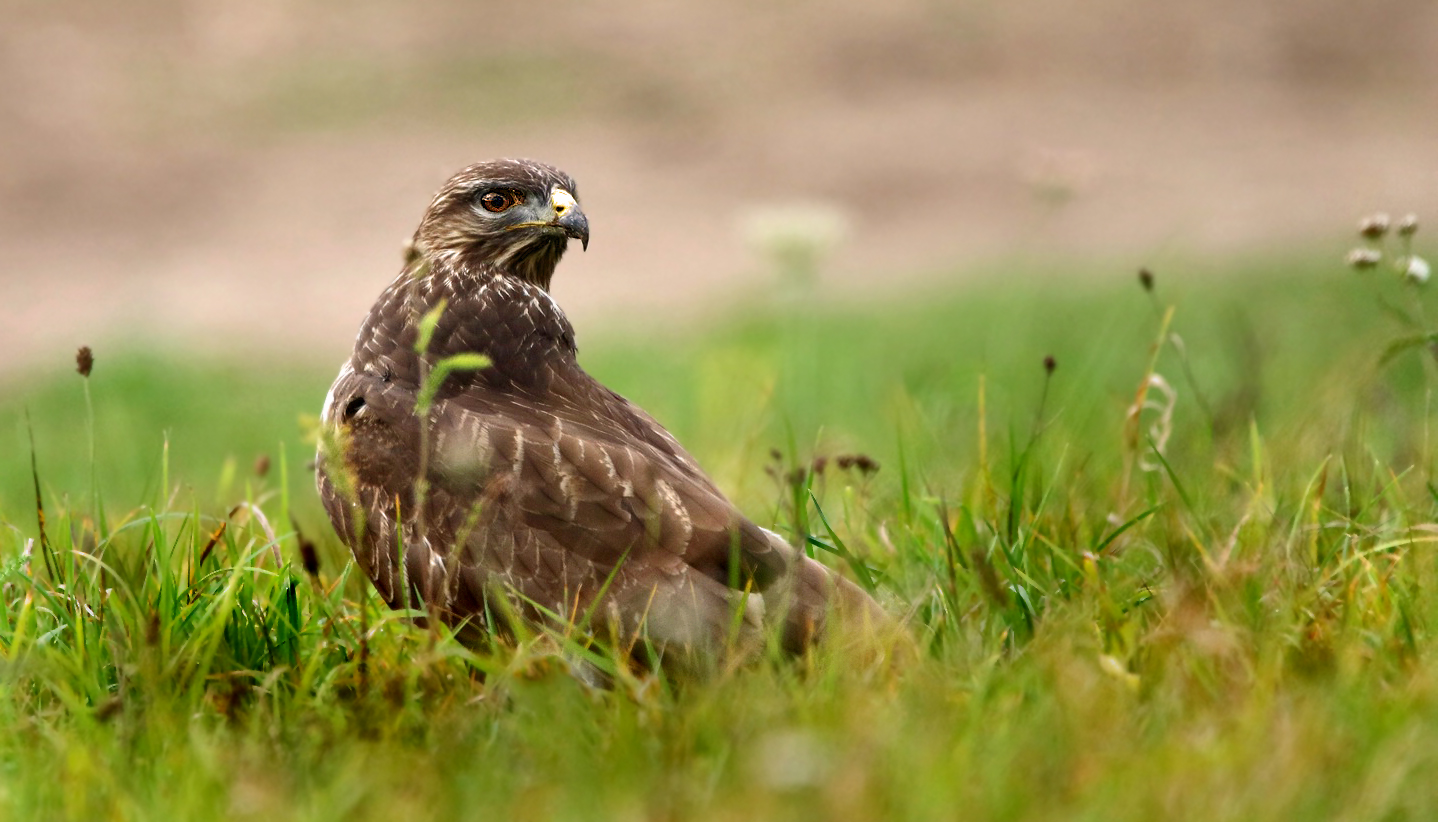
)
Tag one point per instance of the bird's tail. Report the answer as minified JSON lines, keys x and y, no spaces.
{"x":818,"y":606}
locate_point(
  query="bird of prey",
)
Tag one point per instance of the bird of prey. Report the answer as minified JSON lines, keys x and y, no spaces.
{"x":520,"y":488}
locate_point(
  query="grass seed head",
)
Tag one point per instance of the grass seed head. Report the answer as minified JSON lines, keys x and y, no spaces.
{"x":1145,"y":279}
{"x":1363,"y":259}
{"x":1050,"y":364}
{"x":262,"y":465}
{"x":1374,"y":226}
{"x":310,"y":558}
{"x":84,"y":360}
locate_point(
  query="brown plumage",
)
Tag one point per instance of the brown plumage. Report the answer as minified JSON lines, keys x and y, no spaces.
{"x":547,"y":497}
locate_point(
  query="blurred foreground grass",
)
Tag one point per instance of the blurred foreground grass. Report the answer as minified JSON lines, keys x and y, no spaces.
{"x":1219,"y":609}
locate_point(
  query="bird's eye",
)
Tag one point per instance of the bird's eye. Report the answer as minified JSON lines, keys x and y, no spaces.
{"x":497,"y":201}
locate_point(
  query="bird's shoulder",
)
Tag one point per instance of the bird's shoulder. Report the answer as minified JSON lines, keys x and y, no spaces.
{"x":517,"y":326}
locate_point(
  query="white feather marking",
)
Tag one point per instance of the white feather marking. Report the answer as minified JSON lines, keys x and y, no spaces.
{"x":518,"y":466}
{"x":671,"y":498}
{"x":482,"y":447}
{"x":566,"y":487}
{"x":327,"y":415}
{"x":609,"y":468}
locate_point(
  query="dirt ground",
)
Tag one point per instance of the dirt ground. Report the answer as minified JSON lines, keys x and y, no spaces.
{"x":239,"y":176}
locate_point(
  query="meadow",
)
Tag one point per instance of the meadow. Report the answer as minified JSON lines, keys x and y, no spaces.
{"x":1166,"y":552}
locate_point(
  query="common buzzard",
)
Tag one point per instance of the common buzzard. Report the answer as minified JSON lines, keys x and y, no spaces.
{"x":521,"y":488}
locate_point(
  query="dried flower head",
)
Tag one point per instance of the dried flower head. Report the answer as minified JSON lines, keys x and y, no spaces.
{"x":1374,"y":226}
{"x":1050,"y":364}
{"x":1364,"y":258}
{"x":262,"y":465}
{"x":84,"y":360}
{"x":1417,"y":271}
{"x":1408,"y":226}
{"x":1145,"y":279}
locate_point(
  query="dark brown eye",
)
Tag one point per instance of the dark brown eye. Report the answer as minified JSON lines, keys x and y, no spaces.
{"x":497,"y":201}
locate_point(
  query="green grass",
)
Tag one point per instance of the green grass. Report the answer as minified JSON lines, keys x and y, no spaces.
{"x":1241,"y":627}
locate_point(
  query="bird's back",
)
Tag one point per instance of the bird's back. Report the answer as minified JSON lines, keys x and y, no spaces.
{"x":540,"y":479}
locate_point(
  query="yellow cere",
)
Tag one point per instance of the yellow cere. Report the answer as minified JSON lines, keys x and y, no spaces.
{"x":562,"y":200}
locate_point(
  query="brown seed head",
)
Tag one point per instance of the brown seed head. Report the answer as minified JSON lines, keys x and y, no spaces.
{"x":262,"y":465}
{"x":865,"y":463}
{"x":310,"y":558}
{"x":1374,"y":226}
{"x":84,"y":360}
{"x":1145,"y":279}
{"x":1050,"y":364}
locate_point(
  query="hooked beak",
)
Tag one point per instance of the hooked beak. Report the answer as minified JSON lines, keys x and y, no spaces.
{"x":569,"y":217}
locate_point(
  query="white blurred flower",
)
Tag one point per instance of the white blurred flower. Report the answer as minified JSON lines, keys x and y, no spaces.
{"x":1374,"y":226}
{"x":779,"y":228}
{"x":1417,"y":270}
{"x":796,"y":236}
{"x":1058,"y":175}
{"x":1363,"y":258}
{"x":1408,"y":225}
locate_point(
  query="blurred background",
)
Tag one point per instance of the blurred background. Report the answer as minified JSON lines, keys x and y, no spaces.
{"x":240,"y":176}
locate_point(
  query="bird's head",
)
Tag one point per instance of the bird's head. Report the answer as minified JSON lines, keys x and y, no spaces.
{"x":511,"y":216}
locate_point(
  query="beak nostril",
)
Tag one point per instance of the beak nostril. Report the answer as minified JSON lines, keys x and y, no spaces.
{"x":562,"y":202}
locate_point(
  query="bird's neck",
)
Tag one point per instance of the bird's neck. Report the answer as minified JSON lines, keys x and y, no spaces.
{"x":485,"y":310}
{"x":428,"y":282}
{"x":533,"y":263}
